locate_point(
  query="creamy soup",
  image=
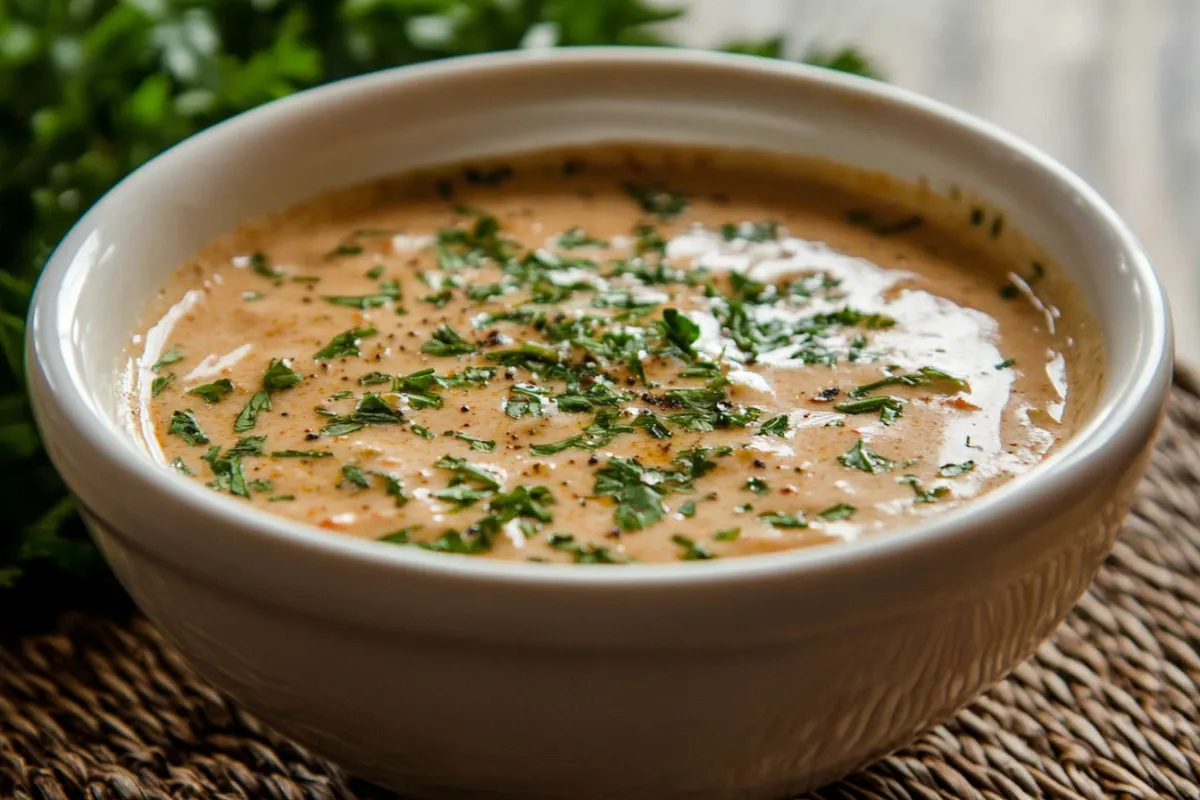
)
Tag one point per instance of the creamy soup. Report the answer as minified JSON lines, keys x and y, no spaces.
{"x":624,"y":354}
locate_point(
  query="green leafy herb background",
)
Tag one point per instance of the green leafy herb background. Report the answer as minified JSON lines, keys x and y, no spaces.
{"x":90,"y":89}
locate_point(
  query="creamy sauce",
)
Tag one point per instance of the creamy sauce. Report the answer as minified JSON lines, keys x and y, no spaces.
{"x":636,"y":354}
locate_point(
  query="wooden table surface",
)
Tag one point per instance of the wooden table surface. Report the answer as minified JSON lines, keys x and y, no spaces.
{"x":1109,"y":87}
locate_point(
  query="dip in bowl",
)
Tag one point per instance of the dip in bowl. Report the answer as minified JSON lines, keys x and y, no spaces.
{"x":544,"y":669}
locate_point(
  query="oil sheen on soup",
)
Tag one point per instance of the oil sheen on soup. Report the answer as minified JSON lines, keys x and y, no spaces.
{"x":608,"y":356}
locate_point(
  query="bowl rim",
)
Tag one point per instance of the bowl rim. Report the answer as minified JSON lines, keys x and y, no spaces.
{"x":1106,"y":434}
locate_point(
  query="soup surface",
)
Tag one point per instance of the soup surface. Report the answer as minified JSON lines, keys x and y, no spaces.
{"x":627,"y":354}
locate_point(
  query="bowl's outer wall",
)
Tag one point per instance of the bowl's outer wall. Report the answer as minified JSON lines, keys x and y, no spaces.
{"x":431,"y":673}
{"x":448,"y":717}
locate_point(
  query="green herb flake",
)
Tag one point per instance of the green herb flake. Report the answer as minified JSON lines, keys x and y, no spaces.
{"x":836,"y":513}
{"x":260,"y":265}
{"x":952,"y":470}
{"x":924,"y":495}
{"x":727,"y":535}
{"x":775,"y":426}
{"x":1006,"y":363}
{"x":301,"y":454}
{"x":692,"y":551}
{"x":160,"y":383}
{"x":889,"y":408}
{"x":213,"y":392}
{"x":482,"y":445}
{"x":185,"y":426}
{"x":375,"y":272}
{"x":688,"y":509}
{"x":656,"y":200}
{"x":859,"y":457}
{"x":172,"y":356}
{"x":343,"y":250}
{"x":465,"y":470}
{"x":181,"y":466}
{"x":583,"y":553}
{"x":402,"y":536}
{"x":765,"y":231}
{"x":252,"y":297}
{"x":782,"y":519}
{"x":679,"y":331}
{"x":756,"y":485}
{"x":248,"y":417}
{"x":447,"y":342}
{"x":353,"y":475}
{"x":577,"y":237}
{"x":344,"y":345}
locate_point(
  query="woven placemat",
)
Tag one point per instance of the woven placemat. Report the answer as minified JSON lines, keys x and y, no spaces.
{"x":1108,"y":707}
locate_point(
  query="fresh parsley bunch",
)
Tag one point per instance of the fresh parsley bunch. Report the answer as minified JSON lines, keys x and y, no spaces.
{"x":90,"y":89}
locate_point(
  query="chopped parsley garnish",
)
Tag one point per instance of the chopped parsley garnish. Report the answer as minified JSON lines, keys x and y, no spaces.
{"x":213,"y":392}
{"x":251,"y":297}
{"x":466,"y":471}
{"x":639,"y":504}
{"x":775,"y":426}
{"x":708,"y":408}
{"x":185,"y":426}
{"x":447,"y":342}
{"x":439,"y":299}
{"x":375,"y":272}
{"x":691,"y":550}
{"x":343,"y":250}
{"x":279,"y":376}
{"x":371,"y":409}
{"x":839,"y":512}
{"x":583,"y":553}
{"x":859,"y":457}
{"x":172,"y":356}
{"x":576,"y":237}
{"x":402,"y":536}
{"x":1006,"y":363}
{"x":344,"y":345}
{"x":652,"y":425}
{"x":782,"y":519}
{"x":354,"y":475}
{"x":679,"y":331}
{"x":765,"y":231}
{"x":389,"y":291}
{"x":525,"y":400}
{"x":301,"y":454}
{"x":482,"y":445}
{"x":923,"y":495}
{"x":246,"y":419}
{"x":604,"y":428}
{"x":727,"y":535}
{"x":688,"y":509}
{"x":180,"y":465}
{"x":455,"y":542}
{"x":227,"y":467}
{"x":160,"y":383}
{"x":260,"y":265}
{"x":656,"y":200}
{"x":951,"y":470}
{"x":889,"y":408}
{"x":942,"y":382}
{"x":423,"y":432}
{"x":756,"y":485}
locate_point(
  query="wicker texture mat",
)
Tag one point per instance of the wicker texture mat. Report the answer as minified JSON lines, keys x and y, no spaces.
{"x":1107,"y":708}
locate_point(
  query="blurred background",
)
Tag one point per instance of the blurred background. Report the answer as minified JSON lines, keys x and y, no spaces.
{"x":1109,"y":87}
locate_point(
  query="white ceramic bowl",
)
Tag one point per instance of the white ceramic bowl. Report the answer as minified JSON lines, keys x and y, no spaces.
{"x":449,"y":676}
